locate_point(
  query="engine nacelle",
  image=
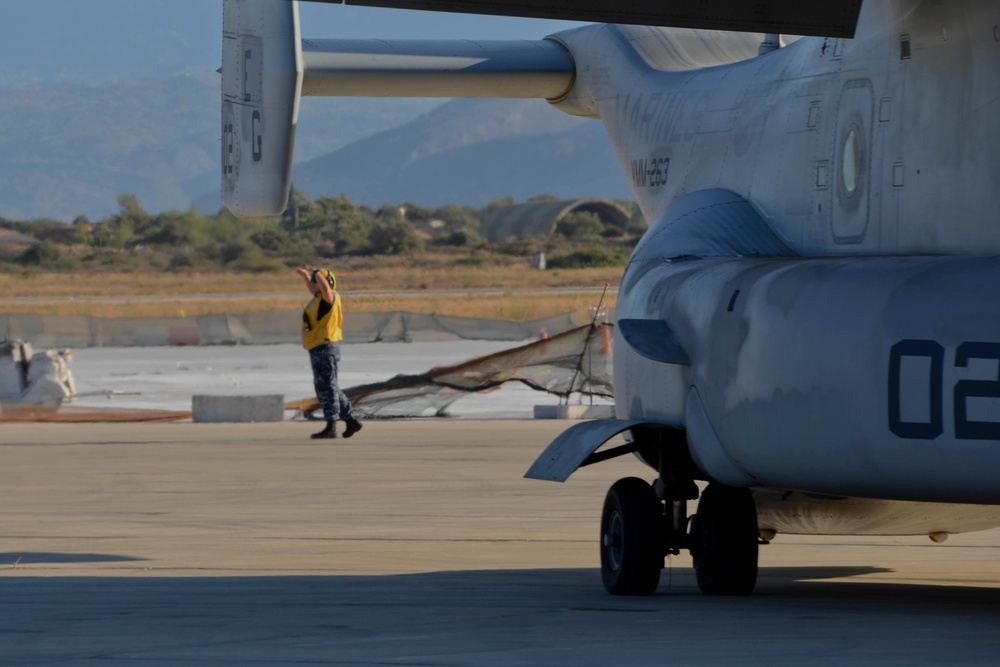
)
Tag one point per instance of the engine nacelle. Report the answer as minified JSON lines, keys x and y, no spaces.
{"x":854,"y":377}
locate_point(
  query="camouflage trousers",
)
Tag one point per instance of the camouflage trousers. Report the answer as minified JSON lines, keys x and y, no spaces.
{"x":324,"y":360}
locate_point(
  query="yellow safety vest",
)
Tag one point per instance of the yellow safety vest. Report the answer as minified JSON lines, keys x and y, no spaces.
{"x":315,"y":331}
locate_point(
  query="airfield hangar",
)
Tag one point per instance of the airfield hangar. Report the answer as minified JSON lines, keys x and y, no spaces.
{"x":541,"y":218}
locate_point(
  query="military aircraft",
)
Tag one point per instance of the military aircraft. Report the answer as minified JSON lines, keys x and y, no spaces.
{"x":810,"y":324}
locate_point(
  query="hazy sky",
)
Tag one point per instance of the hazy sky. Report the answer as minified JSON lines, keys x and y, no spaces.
{"x":88,"y":41}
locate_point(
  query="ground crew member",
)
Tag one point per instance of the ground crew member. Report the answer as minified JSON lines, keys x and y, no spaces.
{"x":321,"y":333}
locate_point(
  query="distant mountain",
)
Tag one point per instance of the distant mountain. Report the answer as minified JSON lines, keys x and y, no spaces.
{"x":471,"y":152}
{"x":67,"y":150}
{"x":104,"y":97}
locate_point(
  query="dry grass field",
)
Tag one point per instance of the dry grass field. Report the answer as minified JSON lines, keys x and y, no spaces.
{"x":367,"y":284}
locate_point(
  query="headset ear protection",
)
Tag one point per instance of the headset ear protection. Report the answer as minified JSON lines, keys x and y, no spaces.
{"x":327,"y":274}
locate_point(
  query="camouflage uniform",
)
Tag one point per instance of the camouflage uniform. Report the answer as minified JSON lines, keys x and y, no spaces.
{"x":324,"y":359}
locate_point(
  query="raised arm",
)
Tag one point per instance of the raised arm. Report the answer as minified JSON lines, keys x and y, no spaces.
{"x":305,"y":272}
{"x":325,"y":289}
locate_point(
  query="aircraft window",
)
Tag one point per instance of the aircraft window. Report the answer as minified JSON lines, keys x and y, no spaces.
{"x":852,"y":160}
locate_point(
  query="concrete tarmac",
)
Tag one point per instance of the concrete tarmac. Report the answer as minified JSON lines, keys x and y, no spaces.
{"x":418,"y":543}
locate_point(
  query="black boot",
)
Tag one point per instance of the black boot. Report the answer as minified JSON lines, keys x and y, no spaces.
{"x":329,"y":432}
{"x":353,"y":426}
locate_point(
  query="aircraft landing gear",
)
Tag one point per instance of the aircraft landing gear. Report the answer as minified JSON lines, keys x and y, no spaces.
{"x":631,"y":530}
{"x":636,"y":535}
{"x":723,"y":541}
{"x":641,"y":524}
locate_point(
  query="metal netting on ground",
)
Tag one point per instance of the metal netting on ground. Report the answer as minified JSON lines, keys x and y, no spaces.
{"x":578,"y":361}
{"x":574,"y":362}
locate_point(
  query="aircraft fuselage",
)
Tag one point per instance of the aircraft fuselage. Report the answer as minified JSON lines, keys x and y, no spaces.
{"x":880,"y":145}
{"x":840,"y":321}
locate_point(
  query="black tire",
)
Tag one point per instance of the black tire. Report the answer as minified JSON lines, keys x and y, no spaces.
{"x":631,"y":538}
{"x":724,"y":541}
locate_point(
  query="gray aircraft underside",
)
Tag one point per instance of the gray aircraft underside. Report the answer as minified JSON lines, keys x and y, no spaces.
{"x":812,"y":311}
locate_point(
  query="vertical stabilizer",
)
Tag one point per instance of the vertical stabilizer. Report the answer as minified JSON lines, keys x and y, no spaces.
{"x":261,"y":83}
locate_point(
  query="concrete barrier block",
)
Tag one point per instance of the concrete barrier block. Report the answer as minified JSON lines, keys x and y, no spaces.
{"x":260,"y":408}
{"x":599,"y":412}
{"x":546,"y":411}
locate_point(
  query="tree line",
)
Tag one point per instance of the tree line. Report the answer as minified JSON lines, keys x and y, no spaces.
{"x":308,"y":230}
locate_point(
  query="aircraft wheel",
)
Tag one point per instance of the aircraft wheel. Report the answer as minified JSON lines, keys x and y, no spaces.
{"x":724,"y":541}
{"x":631,"y":525}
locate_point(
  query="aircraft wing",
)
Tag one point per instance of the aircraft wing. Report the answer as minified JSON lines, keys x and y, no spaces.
{"x":832,"y":18}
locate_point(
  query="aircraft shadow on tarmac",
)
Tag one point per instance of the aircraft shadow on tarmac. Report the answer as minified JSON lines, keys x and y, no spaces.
{"x":555,"y":587}
{"x":560,"y":617}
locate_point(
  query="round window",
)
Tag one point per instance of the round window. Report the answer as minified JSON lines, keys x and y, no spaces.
{"x":852,"y":160}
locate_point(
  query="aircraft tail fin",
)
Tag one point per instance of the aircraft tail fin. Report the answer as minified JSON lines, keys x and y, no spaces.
{"x":267,"y":68}
{"x":262,"y":71}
